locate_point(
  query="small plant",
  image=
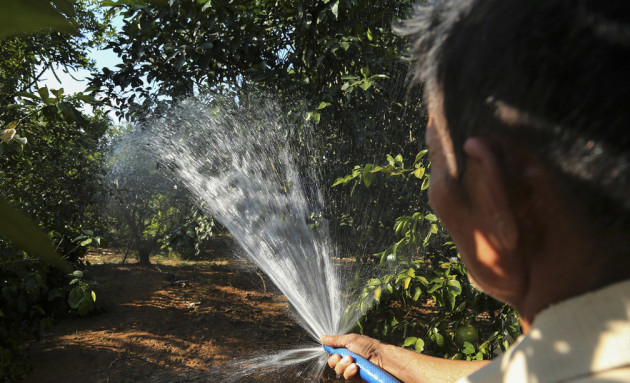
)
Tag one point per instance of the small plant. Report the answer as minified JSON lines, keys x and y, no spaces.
{"x":82,"y":296}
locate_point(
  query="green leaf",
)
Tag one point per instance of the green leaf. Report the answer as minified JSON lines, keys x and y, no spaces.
{"x":43,"y":93}
{"x":27,"y":95}
{"x":450,"y":297}
{"x":454,"y":286}
{"x":75,"y":297}
{"x":369,"y":34}
{"x":341,"y":180}
{"x":323,"y":104}
{"x":419,"y":156}
{"x":377,"y":294}
{"x":335,"y":9}
{"x":86,"y":303}
{"x":85,"y":97}
{"x":25,"y":16}
{"x":77,"y":273}
{"x":207,"y":5}
{"x":86,"y":242}
{"x":425,"y":182}
{"x":416,"y":294}
{"x":391,"y":160}
{"x":410,"y":341}
{"x":438,"y":339}
{"x":431,"y":217}
{"x":433,"y":289}
{"x":419,"y":173}
{"x":65,"y":6}
{"x":24,"y":234}
{"x":468,"y":348}
{"x":419,"y":345}
{"x":368,"y":178}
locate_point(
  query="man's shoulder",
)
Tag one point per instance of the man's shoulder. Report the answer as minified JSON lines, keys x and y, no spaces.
{"x":616,"y":375}
{"x":586,"y":337}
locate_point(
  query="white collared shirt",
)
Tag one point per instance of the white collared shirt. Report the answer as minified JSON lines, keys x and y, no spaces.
{"x":581,"y":340}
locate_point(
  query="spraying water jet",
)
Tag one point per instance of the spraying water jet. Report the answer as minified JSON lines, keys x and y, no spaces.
{"x":237,"y":162}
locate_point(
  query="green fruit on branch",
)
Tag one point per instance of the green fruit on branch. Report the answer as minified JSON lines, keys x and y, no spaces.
{"x":467,"y":333}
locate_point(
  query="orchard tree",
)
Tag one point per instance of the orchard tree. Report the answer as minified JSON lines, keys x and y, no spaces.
{"x":49,"y":167}
{"x":145,"y":203}
{"x":339,"y":59}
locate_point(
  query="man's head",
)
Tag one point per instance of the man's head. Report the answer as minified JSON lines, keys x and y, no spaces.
{"x":551,"y":75}
{"x":526,"y":85}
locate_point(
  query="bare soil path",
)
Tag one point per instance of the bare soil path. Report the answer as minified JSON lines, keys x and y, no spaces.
{"x":153,"y":329}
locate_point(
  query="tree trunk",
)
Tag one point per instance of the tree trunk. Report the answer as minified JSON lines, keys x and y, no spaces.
{"x":144,"y":251}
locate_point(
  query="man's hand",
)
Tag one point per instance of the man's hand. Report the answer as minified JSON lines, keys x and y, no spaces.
{"x":370,"y":349}
{"x":405,"y":365}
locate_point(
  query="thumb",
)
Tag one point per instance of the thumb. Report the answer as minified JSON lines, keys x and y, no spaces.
{"x":337,"y":340}
{"x":331,"y":340}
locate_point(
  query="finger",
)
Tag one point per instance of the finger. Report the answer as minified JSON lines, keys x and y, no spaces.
{"x":333,"y":360}
{"x":351,"y":373}
{"x":344,"y":363}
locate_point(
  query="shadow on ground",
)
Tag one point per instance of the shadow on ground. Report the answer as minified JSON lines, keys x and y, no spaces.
{"x":156,"y":328}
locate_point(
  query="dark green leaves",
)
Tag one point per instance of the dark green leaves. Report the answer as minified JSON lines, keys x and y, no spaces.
{"x":81,"y":299}
{"x":23,"y":16}
{"x":75,"y":297}
{"x":21,"y":231}
{"x":43,"y":93}
{"x":335,"y":9}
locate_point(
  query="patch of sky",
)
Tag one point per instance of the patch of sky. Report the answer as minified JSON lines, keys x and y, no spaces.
{"x":76,"y":81}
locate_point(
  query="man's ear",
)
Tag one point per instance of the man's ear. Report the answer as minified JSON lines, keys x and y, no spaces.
{"x":487,"y":188}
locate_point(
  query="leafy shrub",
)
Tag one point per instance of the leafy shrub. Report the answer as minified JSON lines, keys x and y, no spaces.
{"x":30,"y":293}
{"x":190,"y":238}
{"x":34,"y":293}
{"x":424,"y":300}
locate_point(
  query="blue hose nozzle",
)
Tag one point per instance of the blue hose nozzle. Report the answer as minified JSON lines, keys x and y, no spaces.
{"x":367,"y":370}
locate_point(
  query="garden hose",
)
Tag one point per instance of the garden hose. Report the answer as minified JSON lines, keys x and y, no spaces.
{"x":367,"y":370}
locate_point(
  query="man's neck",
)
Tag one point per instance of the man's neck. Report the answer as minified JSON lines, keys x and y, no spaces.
{"x":567,"y":268}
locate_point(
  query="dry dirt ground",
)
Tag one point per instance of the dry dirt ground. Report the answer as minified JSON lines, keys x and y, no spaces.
{"x":154,"y":330}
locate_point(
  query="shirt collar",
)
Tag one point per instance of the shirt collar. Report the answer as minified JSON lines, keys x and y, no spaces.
{"x":577,"y":337}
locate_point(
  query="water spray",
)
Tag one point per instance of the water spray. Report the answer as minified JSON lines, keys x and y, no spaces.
{"x":236,"y":160}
